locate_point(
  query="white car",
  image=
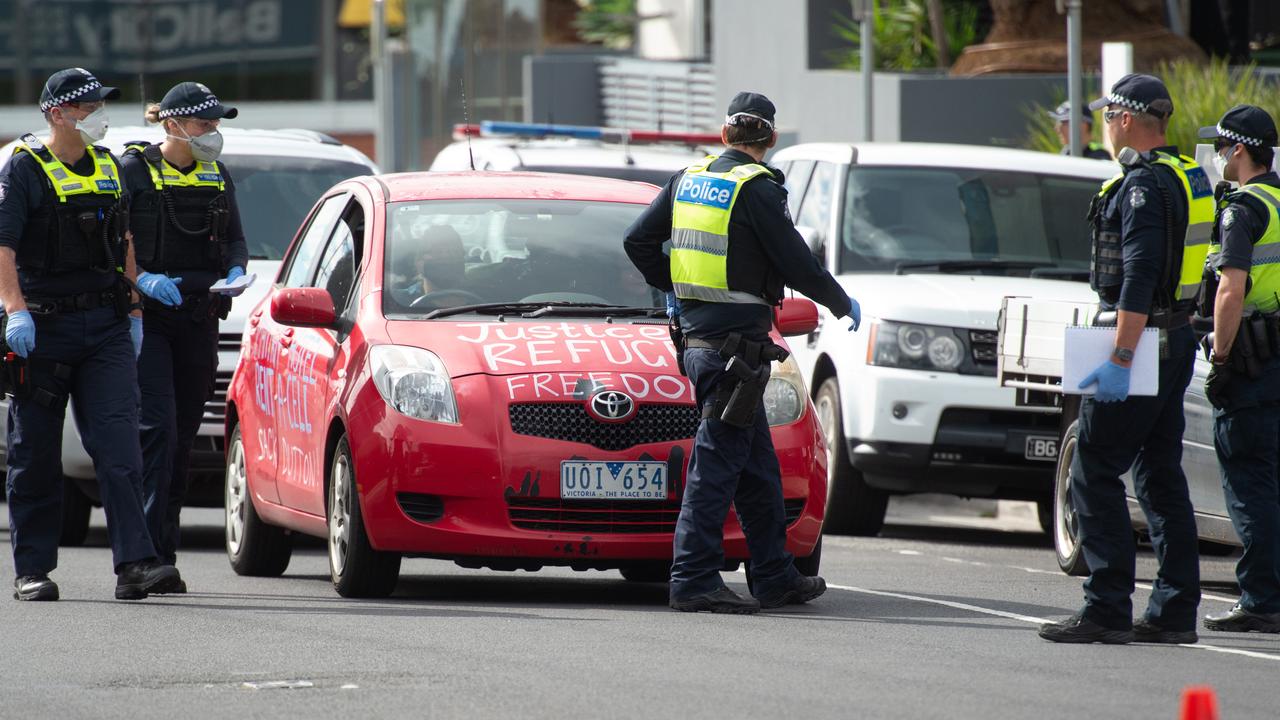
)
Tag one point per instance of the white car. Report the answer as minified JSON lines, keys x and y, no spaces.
{"x":930,"y":239}
{"x":651,"y":157}
{"x":278,"y":174}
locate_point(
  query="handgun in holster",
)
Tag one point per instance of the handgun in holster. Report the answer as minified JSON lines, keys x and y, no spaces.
{"x":739,"y":409}
{"x":1244,"y":352}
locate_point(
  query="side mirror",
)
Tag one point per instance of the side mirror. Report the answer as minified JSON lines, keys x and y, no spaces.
{"x":303,"y":307}
{"x":813,"y":239}
{"x":797,"y":316}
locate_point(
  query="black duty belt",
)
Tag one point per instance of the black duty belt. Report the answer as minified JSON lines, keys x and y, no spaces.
{"x":1162,"y":319}
{"x":751,"y":351}
{"x":71,"y":303}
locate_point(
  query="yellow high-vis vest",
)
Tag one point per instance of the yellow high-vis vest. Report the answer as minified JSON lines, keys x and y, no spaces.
{"x":1264,"y":273}
{"x":700,"y":233}
{"x":1200,"y":212}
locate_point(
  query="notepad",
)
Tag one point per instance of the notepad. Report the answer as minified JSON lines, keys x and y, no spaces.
{"x":240,"y":283}
{"x":1085,"y":348}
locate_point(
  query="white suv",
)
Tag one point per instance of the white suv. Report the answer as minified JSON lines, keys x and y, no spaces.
{"x":278,"y":174}
{"x":930,"y":239}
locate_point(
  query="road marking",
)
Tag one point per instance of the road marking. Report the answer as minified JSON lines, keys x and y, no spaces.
{"x":1032,"y":619}
{"x":910,"y":552}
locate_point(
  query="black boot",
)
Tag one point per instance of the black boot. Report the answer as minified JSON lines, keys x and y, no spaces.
{"x":35,"y":587}
{"x":723,"y":600}
{"x":177,"y":587}
{"x":1080,"y":629}
{"x":138,"y":579}
{"x":1237,"y":619}
{"x":1145,"y":631}
{"x":804,"y":590}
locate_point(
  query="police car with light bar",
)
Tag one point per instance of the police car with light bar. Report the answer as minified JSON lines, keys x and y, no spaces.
{"x":643,"y":155}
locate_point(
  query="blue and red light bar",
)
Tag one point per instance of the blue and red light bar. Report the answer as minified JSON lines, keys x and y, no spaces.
{"x":494,"y":128}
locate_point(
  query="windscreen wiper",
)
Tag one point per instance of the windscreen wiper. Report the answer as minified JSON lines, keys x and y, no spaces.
{"x":595,"y":310}
{"x":510,"y":307}
{"x":1061,"y":273}
{"x":949,"y":266}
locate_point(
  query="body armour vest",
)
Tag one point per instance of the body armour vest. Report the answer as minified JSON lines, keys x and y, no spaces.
{"x":1263,"y":294}
{"x":1106,"y":269}
{"x":179,"y":222}
{"x":700,"y":240}
{"x":80,"y":224}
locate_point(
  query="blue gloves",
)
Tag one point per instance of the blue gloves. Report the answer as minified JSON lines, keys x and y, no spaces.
{"x":673,"y":305}
{"x":855,"y":313}
{"x":160,"y":287}
{"x":1112,"y":380}
{"x":135,"y":334}
{"x":20,"y":333}
{"x":232,"y":275}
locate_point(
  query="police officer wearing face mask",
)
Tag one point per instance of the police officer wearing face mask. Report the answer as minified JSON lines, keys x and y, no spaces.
{"x":187,"y":235}
{"x":733,"y":248}
{"x":72,"y":330}
{"x":1151,"y":227}
{"x":1062,"y":116}
{"x":1244,"y":382}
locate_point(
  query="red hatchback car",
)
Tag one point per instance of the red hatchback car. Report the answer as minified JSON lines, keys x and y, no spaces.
{"x":466,"y":366}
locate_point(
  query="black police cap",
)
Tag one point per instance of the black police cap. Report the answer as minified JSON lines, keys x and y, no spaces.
{"x":1246,"y":124}
{"x":749,"y":104}
{"x":74,"y":85}
{"x":192,"y":99}
{"x":1062,"y":113}
{"x":1139,"y":93}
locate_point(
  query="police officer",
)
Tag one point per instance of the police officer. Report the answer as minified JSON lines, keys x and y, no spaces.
{"x":1062,"y":116}
{"x":187,"y":235}
{"x":1151,"y":228}
{"x":733,"y":248}
{"x":73,"y":332}
{"x":1244,"y":382}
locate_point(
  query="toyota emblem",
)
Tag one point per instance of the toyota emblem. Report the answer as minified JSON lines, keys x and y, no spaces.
{"x":611,"y":406}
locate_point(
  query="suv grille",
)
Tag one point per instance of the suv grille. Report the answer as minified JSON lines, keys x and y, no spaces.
{"x":607,"y":517}
{"x":215,"y":411}
{"x":570,"y":422}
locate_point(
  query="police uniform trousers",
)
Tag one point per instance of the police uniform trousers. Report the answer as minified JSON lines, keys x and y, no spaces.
{"x":102,"y":384}
{"x":1143,"y":434}
{"x":176,"y":375}
{"x":1246,"y":435}
{"x":729,"y":465}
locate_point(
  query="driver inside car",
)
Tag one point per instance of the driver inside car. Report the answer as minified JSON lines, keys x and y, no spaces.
{"x":438,"y":273}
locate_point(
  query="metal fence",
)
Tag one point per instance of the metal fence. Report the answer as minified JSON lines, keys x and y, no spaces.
{"x":670,"y":96}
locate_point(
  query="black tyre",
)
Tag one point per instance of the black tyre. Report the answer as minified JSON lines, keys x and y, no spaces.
{"x":1065,"y":528}
{"x":253,"y":547}
{"x":810,"y":565}
{"x":76,"y":507}
{"x":357,"y":570}
{"x":853,"y":507}
{"x":656,"y":572}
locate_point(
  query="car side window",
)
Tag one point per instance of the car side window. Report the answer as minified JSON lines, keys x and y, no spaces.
{"x":340,"y":262}
{"x":797,"y":181}
{"x":815,"y":211}
{"x":303,"y":258}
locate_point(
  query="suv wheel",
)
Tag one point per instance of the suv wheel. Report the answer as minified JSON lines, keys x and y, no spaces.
{"x":1065,"y":528}
{"x":853,"y":507}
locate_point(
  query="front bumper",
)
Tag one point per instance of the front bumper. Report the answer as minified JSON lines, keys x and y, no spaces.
{"x":481,"y":495}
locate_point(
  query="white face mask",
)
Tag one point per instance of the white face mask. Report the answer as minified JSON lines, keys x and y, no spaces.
{"x":205,"y":148}
{"x":94,"y":126}
{"x":1220,"y":163}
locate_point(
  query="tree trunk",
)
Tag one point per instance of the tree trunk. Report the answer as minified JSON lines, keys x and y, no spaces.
{"x":938,"y":26}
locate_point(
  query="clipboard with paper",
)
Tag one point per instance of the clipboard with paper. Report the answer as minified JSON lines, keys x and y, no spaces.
{"x":1085,"y":348}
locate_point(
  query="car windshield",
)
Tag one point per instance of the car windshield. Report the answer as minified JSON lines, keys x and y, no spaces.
{"x":955,"y":219}
{"x":275,"y":193}
{"x":452,"y":253}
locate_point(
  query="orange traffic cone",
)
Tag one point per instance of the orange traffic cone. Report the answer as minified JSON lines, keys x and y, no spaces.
{"x":1199,"y":703}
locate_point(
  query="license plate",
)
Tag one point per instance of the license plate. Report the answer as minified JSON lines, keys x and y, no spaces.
{"x":596,"y":480}
{"x":1041,"y":447}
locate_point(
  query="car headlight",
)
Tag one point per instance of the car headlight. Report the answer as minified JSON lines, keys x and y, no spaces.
{"x":784,"y":394}
{"x":915,"y":347}
{"x":414,"y":382}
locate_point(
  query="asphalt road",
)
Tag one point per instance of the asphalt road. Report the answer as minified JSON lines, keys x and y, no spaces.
{"x":935,"y":619}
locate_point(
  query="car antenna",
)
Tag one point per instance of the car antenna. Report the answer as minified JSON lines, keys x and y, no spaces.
{"x":466,"y":120}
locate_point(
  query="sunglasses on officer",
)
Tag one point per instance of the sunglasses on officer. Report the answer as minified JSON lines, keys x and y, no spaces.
{"x":1109,"y":115}
{"x":1221,"y":143}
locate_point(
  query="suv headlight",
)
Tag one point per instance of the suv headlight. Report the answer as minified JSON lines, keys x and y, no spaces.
{"x":414,"y":382}
{"x":784,"y":394}
{"x":915,"y":347}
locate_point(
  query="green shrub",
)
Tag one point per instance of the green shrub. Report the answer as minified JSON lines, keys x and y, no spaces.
{"x":903,"y":40}
{"x":1201,"y":93}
